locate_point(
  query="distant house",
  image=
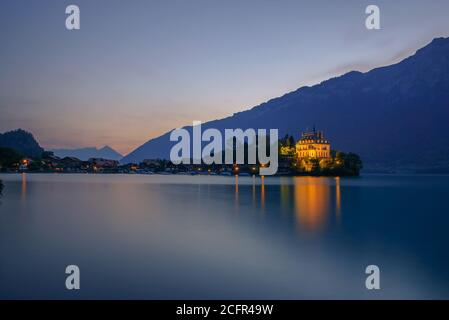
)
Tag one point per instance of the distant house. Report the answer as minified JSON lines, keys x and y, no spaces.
{"x":103,"y":163}
{"x":71,"y":164}
{"x":152,"y":162}
{"x":51,"y":162}
{"x":313,"y":145}
{"x":24,"y":163}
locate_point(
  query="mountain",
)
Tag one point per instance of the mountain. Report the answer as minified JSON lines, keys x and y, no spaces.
{"x":91,"y":152}
{"x":22,"y":142}
{"x":394,"y":117}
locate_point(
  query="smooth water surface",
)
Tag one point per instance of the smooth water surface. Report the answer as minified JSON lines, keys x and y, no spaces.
{"x":208,"y":237}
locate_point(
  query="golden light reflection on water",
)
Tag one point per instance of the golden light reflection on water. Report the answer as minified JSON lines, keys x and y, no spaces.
{"x":262,"y":194}
{"x":337,"y":199}
{"x":236,"y":195}
{"x":312,"y":197}
{"x":236,"y":189}
{"x":23,"y":194}
{"x":254,"y":187}
{"x":315,"y":202}
{"x":254,"y":191}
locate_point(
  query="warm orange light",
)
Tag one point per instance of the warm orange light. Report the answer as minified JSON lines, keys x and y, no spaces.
{"x":337,"y":197}
{"x":312,"y":199}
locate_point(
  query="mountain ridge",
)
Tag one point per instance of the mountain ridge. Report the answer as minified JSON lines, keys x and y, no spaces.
{"x":377,"y":113}
{"x":88,"y":152}
{"x":22,"y":142}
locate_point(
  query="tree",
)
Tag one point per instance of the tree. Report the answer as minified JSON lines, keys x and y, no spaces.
{"x":35,"y":165}
{"x":340,"y":164}
{"x":353,"y":163}
{"x":345,"y":163}
{"x":47,"y":154}
{"x":286,"y":146}
{"x":292,"y":141}
{"x":9,"y":158}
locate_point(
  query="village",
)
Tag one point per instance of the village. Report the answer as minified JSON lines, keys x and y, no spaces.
{"x":311,"y":155}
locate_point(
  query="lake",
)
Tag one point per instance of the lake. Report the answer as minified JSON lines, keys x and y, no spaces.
{"x":213,"y":237}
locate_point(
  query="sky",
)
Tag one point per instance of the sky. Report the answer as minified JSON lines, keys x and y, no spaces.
{"x":137,"y":69}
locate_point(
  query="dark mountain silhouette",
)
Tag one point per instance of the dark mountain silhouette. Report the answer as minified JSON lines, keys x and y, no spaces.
{"x":91,"y":152}
{"x":394,"y":116}
{"x":22,"y":142}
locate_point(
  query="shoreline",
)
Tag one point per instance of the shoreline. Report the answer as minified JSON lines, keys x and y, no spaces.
{"x":178,"y":174}
{"x":239,"y":175}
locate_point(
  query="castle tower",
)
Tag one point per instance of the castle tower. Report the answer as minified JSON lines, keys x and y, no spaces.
{"x":313,"y":145}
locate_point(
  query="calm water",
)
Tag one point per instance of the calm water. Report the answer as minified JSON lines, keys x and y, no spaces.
{"x":188,"y":237}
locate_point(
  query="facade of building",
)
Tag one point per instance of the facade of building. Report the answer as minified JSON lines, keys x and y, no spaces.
{"x":313,"y":145}
{"x":103,"y":163}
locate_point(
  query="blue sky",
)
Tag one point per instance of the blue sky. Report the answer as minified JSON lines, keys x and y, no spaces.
{"x":137,"y":69}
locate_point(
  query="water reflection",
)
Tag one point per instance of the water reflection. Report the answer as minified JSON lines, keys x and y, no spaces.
{"x":312,"y":201}
{"x":23,"y":194}
{"x":244,"y":191}
{"x":236,"y":188}
{"x":285,"y":195}
{"x":236,"y":194}
{"x":172,"y":234}
{"x":337,"y":199}
{"x":254,"y":191}
{"x":262,"y":194}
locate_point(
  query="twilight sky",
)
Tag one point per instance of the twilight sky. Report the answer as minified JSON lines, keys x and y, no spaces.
{"x":137,"y":68}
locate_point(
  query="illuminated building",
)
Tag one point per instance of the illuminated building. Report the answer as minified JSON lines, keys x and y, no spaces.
{"x":313,"y":145}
